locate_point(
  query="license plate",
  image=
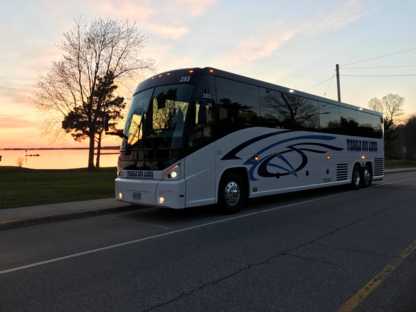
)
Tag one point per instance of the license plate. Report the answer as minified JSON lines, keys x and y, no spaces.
{"x":137,"y":196}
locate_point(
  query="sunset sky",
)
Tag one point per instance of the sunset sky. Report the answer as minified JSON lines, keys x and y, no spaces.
{"x":290,"y":43}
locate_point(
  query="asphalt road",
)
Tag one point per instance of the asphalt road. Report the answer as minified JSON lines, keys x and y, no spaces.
{"x":305,"y":251}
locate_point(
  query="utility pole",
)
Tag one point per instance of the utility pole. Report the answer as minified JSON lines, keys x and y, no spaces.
{"x":338,"y":85}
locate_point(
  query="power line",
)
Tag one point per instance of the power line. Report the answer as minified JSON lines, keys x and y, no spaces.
{"x":380,"y":67}
{"x":378,"y":75}
{"x":319,"y":84}
{"x":333,"y":75}
{"x":378,"y":57}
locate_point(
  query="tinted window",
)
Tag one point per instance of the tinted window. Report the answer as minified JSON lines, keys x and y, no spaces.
{"x":365,"y":124}
{"x":206,"y":88}
{"x":288,"y":111}
{"x":201,"y":124}
{"x":329,"y":117}
{"x":238,"y":105}
{"x":348,"y":121}
{"x":377,"y":124}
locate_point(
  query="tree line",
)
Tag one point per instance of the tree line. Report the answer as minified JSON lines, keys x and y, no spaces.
{"x":399,"y":132}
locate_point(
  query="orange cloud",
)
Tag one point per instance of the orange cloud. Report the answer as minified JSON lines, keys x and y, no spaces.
{"x":16,"y":121}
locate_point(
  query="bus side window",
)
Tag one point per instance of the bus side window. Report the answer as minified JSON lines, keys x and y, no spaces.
{"x":348,"y":121}
{"x":288,"y":111}
{"x":377,"y":123}
{"x":237,"y":106}
{"x":201,"y":131}
{"x":365,"y":125}
{"x":329,"y":118}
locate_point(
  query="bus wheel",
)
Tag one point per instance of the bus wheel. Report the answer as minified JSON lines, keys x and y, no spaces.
{"x":356,"y":178}
{"x":367,"y":176}
{"x":231,"y":194}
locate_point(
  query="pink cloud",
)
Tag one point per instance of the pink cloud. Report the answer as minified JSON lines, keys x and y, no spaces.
{"x":195,"y":7}
{"x":253,"y":49}
{"x":164,"y":31}
{"x":127,"y":9}
{"x":13,"y":96}
{"x":343,"y":15}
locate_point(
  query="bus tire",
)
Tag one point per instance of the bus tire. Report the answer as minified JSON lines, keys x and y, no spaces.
{"x":231,"y":193}
{"x":367,"y":176}
{"x":356,"y":177}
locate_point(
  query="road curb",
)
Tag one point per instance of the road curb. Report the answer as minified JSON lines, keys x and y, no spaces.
{"x":12,"y":224}
{"x":388,"y":171}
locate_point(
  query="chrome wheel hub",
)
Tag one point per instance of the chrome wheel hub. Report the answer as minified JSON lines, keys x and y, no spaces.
{"x":367,"y":176}
{"x":357,"y":178}
{"x":232,"y":193}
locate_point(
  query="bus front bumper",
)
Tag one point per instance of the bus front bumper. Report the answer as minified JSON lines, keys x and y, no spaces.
{"x":169,"y":194}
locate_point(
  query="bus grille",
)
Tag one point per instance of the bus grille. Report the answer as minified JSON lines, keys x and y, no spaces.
{"x":378,"y":166}
{"x":342,"y":172}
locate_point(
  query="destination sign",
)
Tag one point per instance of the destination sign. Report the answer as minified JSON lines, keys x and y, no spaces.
{"x":139,"y":174}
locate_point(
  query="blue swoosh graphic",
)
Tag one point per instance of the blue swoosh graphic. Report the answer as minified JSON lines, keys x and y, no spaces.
{"x":263,"y":163}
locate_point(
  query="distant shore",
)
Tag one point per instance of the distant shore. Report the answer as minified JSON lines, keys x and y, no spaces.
{"x":57,"y":148}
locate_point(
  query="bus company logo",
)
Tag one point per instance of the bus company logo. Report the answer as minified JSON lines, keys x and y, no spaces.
{"x":361,"y":146}
{"x":262,"y":166}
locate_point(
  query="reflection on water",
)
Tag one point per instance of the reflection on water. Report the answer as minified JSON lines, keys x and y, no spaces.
{"x":56,"y":159}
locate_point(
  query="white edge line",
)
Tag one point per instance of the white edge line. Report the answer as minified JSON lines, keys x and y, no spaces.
{"x":176,"y":231}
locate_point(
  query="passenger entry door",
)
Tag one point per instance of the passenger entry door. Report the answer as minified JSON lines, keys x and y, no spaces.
{"x":200,"y":163}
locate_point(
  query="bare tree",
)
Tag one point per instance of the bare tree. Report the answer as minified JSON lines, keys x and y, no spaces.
{"x":89,"y":51}
{"x":393,"y":105}
{"x":375,"y":104}
{"x":390,"y":106}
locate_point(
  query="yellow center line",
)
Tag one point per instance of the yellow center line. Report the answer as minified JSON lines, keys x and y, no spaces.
{"x":371,"y":285}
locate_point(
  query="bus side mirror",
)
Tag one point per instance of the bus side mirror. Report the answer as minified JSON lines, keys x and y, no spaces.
{"x":202,"y":114}
{"x":106,"y":118}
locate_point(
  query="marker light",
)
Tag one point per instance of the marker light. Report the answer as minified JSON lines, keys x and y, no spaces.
{"x":168,"y":74}
{"x":291,"y":91}
{"x":362,"y":157}
{"x":191,"y":71}
{"x":327,"y":157}
{"x":161,"y":200}
{"x":256,"y":158}
{"x":119,"y":172}
{"x":160,"y":76}
{"x":120,"y":195}
{"x":211,"y":70}
{"x":153,"y":78}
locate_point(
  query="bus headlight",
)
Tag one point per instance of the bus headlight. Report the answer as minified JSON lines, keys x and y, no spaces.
{"x":173,"y":173}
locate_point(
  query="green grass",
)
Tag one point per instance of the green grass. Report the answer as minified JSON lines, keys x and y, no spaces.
{"x":392,"y":164}
{"x":20,"y":187}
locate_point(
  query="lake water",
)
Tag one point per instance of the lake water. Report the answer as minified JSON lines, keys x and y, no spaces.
{"x":56,"y":159}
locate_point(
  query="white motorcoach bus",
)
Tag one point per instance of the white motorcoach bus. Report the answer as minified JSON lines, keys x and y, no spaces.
{"x":203,"y":136}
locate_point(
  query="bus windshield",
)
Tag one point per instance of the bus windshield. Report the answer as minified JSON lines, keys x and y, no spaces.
{"x":157,"y":117}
